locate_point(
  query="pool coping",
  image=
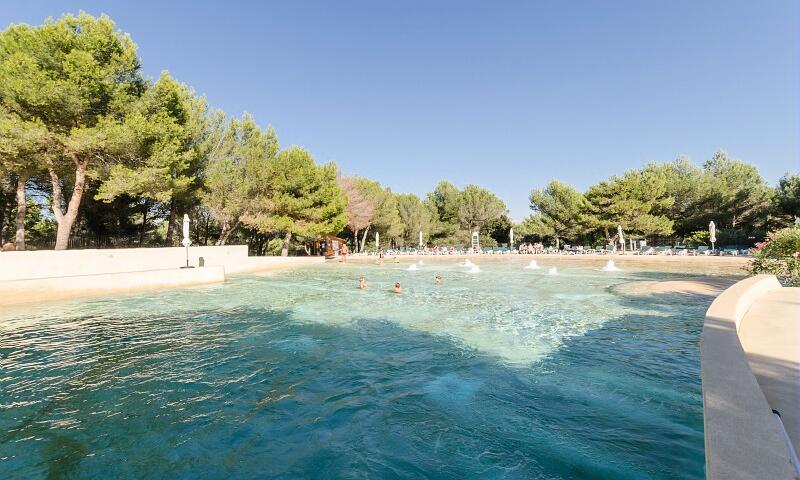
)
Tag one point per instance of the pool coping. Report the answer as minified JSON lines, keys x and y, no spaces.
{"x":742,"y":437}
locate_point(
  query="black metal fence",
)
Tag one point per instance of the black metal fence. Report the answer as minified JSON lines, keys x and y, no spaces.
{"x":96,"y":241}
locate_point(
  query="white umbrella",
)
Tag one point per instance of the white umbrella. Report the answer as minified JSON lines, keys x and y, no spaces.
{"x":712,"y":234}
{"x":377,"y":241}
{"x":621,"y":238}
{"x":186,"y":241}
{"x":420,"y":238}
{"x":511,"y":238}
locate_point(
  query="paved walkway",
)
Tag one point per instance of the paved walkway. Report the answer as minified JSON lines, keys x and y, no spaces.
{"x":770,"y":335}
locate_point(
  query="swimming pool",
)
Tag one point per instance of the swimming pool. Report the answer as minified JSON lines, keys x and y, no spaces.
{"x":504,"y":372}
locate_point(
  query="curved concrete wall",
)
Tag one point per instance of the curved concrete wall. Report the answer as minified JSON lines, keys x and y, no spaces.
{"x":741,"y":435}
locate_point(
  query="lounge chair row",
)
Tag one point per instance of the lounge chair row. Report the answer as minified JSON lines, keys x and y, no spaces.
{"x":572,"y":250}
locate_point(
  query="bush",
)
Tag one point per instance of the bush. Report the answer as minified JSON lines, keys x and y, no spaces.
{"x":700,"y":237}
{"x":779,"y":255}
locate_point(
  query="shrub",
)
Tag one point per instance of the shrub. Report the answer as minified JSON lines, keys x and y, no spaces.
{"x":779,"y":255}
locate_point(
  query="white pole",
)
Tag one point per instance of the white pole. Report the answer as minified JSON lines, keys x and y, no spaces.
{"x":377,"y":241}
{"x":186,"y":241}
{"x":420,"y":238}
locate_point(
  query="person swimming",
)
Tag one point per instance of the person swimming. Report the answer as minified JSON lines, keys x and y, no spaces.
{"x":362,"y":283}
{"x":438,"y":279}
{"x":397,"y":288}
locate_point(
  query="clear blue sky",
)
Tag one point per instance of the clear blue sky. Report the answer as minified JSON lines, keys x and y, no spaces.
{"x":503,"y":94}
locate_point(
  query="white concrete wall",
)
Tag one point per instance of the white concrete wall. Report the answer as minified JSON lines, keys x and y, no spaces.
{"x":741,"y":435}
{"x":50,"y":263}
{"x":49,"y":275}
{"x":57,"y":288}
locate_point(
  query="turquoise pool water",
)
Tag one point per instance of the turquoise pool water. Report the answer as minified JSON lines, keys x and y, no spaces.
{"x":502,"y":373}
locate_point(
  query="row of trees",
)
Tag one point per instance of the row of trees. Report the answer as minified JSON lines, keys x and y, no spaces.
{"x":669,"y":201}
{"x":91,"y":148}
{"x":446,"y":216}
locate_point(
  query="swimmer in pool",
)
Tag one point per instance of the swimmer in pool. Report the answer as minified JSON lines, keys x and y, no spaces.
{"x":438,"y":279}
{"x":397,"y":288}
{"x":362,"y":283}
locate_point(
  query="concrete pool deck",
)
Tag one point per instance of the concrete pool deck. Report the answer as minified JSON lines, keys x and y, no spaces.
{"x":750,"y":366}
{"x":46,"y":275}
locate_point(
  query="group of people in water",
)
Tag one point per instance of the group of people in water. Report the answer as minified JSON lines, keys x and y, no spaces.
{"x":362,"y":284}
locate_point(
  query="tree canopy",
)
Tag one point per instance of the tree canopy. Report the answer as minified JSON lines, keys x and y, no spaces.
{"x":111,"y":153}
{"x":560,"y":210}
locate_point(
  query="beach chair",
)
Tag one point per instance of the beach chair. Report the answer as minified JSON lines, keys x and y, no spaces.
{"x":679,"y":250}
{"x":644,"y":250}
{"x":729,"y":250}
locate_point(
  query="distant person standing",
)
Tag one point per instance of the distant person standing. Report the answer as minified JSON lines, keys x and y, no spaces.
{"x":344,"y":252}
{"x":362,"y":283}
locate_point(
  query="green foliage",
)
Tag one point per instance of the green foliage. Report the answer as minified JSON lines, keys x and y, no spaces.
{"x":786,"y":202}
{"x":38,"y":228}
{"x":76,"y":79}
{"x":76,"y":115}
{"x":298,"y":197}
{"x":166,"y":130}
{"x":737,"y":192}
{"x":478,"y":207}
{"x":779,"y":255}
{"x":533,"y":228}
{"x":560,"y":210}
{"x":444,"y":202}
{"x":385,"y":216}
{"x":237,"y":171}
{"x":499,"y":229}
{"x":414,"y":217}
{"x":634,"y":201}
{"x":700,"y":237}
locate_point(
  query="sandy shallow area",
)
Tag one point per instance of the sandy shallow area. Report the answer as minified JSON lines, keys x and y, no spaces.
{"x":702,"y":287}
{"x":700,"y":264}
{"x":706,"y":276}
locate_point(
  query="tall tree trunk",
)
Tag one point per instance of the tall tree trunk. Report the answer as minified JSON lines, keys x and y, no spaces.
{"x":355,"y":240}
{"x":3,"y":205}
{"x":66,"y":220}
{"x":171,"y":222}
{"x":557,"y":243}
{"x":364,"y":239}
{"x":144,"y":224}
{"x":285,"y":249}
{"x":19,"y":239}
{"x":226,"y":232}
{"x":205,"y":235}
